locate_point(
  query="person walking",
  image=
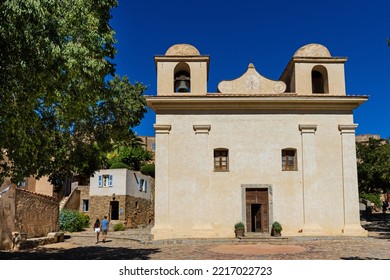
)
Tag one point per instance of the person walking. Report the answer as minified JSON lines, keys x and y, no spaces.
{"x":96,"y":228}
{"x":104,"y":227}
{"x":385,"y":205}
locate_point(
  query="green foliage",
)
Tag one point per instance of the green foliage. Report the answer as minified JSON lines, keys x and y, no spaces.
{"x":277,"y":227}
{"x":72,"y":220}
{"x":148,"y":169}
{"x":60,"y":111}
{"x":119,"y":165}
{"x":134,"y":157}
{"x":239,"y":225}
{"x":373,"y":197}
{"x":119,"y":227}
{"x":373,"y":166}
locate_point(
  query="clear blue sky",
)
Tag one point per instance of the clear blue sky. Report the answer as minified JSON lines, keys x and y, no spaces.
{"x":266,"y":33}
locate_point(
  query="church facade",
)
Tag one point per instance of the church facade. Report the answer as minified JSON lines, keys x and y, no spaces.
{"x":257,"y":151}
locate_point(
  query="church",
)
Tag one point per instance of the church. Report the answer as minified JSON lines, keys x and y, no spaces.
{"x":257,"y":151}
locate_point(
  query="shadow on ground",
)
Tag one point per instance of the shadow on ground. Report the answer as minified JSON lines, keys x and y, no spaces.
{"x":81,"y":253}
{"x":379,"y":225}
{"x":359,"y":259}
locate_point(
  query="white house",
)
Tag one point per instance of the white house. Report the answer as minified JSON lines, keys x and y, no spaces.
{"x":257,"y":151}
{"x":122,"y":195}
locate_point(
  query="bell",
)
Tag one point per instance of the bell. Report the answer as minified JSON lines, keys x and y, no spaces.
{"x":182,"y":87}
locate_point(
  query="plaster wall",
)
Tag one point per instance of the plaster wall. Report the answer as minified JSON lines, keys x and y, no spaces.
{"x":336,"y":79}
{"x":125,"y":182}
{"x":255,"y":142}
{"x":165,"y":77}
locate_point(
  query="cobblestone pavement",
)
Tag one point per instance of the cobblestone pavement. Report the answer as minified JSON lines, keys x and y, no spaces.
{"x":127,"y":246}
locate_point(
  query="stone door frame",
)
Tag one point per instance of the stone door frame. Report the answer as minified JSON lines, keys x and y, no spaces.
{"x":244,"y":188}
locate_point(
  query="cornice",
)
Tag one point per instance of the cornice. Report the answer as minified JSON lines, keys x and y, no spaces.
{"x":231,"y":103}
{"x":347,"y":128}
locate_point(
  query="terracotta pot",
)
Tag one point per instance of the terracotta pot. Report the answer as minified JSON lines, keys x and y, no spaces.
{"x":239,"y":232}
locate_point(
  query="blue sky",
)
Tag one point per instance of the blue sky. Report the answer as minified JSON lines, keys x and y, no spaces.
{"x":266,"y":33}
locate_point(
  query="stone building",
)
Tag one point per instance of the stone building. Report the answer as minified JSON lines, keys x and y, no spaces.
{"x":257,"y":151}
{"x":122,"y":195}
{"x":23,"y":211}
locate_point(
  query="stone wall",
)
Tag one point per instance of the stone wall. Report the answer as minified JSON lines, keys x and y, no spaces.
{"x":5,"y":231}
{"x":36,"y":215}
{"x":99,"y":206}
{"x":26,"y":212}
{"x":133,"y":211}
{"x":138,"y":212}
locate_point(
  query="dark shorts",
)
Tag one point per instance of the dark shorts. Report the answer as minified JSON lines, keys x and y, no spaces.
{"x":104,"y":231}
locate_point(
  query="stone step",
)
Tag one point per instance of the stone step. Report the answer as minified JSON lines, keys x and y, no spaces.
{"x":263,"y":237}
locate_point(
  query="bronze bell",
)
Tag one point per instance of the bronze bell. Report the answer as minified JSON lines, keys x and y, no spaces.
{"x":182,"y":87}
{"x":182,"y":84}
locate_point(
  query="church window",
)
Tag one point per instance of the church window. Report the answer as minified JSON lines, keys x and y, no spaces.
{"x":289,"y":160}
{"x":221,"y":160}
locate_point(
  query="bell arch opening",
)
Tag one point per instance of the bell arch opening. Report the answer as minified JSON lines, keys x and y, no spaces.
{"x":182,"y":78}
{"x":319,"y":79}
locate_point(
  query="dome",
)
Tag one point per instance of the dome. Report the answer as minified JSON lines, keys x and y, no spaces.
{"x":312,"y":50}
{"x":182,"y":50}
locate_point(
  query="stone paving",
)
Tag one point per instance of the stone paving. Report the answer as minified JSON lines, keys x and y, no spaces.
{"x":134,"y":244}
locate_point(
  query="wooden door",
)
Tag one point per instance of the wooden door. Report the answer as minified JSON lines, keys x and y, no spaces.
{"x":257,"y":210}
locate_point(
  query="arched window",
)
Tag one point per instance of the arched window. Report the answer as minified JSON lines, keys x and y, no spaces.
{"x":319,"y":79}
{"x":289,"y":159}
{"x":221,"y":159}
{"x":182,"y":78}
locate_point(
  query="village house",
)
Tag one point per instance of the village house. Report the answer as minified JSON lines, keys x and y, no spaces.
{"x":257,"y":151}
{"x":123,"y":195}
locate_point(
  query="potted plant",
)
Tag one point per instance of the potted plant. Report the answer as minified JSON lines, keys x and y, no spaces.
{"x":276,"y":229}
{"x":239,"y":229}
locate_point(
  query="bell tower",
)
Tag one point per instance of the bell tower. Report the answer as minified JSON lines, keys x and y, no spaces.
{"x":313,"y":70}
{"x":182,"y":71}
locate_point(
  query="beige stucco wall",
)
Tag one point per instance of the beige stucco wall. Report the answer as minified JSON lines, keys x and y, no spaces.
{"x":336,"y":79}
{"x":198,"y":77}
{"x":125,"y":182}
{"x":210,"y":203}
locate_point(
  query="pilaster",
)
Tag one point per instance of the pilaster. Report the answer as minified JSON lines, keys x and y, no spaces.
{"x":350,"y":182}
{"x":162,"y":227}
{"x":309,"y":179}
{"x":202,"y":223}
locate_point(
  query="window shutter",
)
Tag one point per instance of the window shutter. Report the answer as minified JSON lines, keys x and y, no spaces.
{"x":140,"y":184}
{"x":100,"y":184}
{"x":110,"y":180}
{"x":145,"y":186}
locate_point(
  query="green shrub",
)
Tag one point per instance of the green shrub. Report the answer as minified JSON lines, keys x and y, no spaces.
{"x":72,"y":220}
{"x":277,"y":227}
{"x":239,"y":225}
{"x":373,"y":197}
{"x":119,"y":165}
{"x":119,"y":227}
{"x":148,"y":169}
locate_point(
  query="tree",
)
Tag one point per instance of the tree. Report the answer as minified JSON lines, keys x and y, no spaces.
{"x":60,"y":112}
{"x":374,"y":166}
{"x":134,"y":156}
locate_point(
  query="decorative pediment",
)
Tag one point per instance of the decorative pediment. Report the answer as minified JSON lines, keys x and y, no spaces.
{"x":251,"y":83}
